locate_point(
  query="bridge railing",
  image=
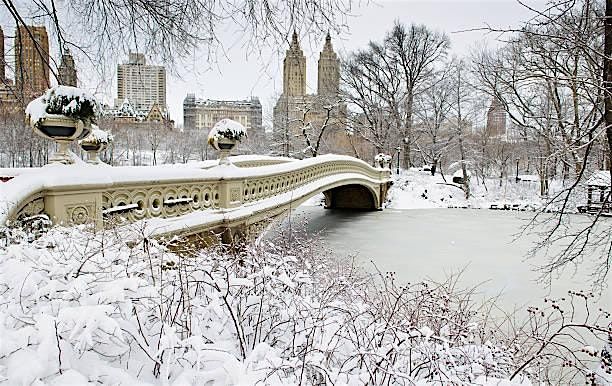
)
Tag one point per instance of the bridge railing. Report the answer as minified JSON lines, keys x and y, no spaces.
{"x":80,"y":194}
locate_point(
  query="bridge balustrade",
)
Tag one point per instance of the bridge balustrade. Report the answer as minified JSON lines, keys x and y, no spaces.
{"x":78,"y":195}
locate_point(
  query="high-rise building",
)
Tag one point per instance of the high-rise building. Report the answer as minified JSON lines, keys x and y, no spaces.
{"x":31,"y":61}
{"x":329,"y":70}
{"x":202,"y":114}
{"x":142,"y":84}
{"x":295,"y":109}
{"x":67,"y":71}
{"x":496,"y":119}
{"x":294,"y":69}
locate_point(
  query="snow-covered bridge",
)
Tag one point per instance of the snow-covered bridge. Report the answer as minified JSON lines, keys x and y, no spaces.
{"x":192,"y":198}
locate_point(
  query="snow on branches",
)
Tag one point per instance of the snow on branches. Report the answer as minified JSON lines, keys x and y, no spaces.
{"x":78,"y":306}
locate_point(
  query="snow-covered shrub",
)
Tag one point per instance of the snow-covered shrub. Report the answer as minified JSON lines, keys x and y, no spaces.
{"x":102,"y":309}
{"x":69,"y":101}
{"x":118,"y":308}
{"x":228,"y":129}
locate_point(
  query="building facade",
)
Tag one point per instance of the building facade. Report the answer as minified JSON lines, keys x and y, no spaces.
{"x":67,"y":70}
{"x":496,"y":119}
{"x":202,"y":114}
{"x":296,"y":110}
{"x":31,"y":61}
{"x":142,"y":84}
{"x":126,"y":115}
{"x":328,"y":74}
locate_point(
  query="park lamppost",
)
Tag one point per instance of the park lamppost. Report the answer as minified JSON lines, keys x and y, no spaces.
{"x":398,"y":159}
{"x":517,"y":167}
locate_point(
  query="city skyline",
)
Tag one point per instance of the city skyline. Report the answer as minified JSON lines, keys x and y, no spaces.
{"x":236,"y":75}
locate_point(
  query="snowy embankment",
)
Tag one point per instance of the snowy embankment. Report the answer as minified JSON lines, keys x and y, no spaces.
{"x":415,"y":189}
{"x":79,"y":308}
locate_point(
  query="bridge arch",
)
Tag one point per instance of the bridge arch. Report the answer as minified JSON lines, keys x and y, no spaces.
{"x":352,"y":196}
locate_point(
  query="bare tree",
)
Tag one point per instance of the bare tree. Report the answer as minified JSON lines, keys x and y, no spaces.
{"x":374,"y":91}
{"x":433,"y":114}
{"x":416,"y":51}
{"x":171,"y":30}
{"x":553,"y":77}
{"x":329,"y":114}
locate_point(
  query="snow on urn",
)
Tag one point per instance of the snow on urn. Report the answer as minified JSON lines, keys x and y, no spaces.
{"x":62,"y":114}
{"x":96,"y":142}
{"x":383,"y":160}
{"x":224,"y":136}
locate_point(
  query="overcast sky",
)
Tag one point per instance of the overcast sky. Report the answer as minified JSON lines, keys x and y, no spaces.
{"x":237,"y":75}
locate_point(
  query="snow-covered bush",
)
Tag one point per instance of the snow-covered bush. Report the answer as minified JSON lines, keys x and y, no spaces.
{"x":228,"y":129}
{"x":69,"y":101}
{"x":117,"y":308}
{"x":76,"y":306}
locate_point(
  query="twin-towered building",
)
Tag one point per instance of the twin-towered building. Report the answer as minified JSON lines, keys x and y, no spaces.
{"x":296,"y":109}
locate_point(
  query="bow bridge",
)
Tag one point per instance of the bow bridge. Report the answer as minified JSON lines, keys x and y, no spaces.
{"x":189,"y":199}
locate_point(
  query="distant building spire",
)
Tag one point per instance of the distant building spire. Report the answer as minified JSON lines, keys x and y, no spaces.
{"x":329,"y":70}
{"x":294,"y":69}
{"x":295,"y":44}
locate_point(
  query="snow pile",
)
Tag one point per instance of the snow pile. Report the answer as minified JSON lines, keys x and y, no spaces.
{"x":227,"y":128}
{"x":459,"y":173}
{"x":77,"y":307}
{"x":64,"y":100}
{"x":36,"y":110}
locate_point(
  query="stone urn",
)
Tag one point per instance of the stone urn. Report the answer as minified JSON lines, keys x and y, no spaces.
{"x":224,"y":136}
{"x":224,"y":146}
{"x":62,"y":130}
{"x":383,"y":160}
{"x":93,"y":146}
{"x":63,"y":114}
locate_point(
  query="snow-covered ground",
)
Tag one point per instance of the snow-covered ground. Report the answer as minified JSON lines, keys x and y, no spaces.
{"x":416,"y":189}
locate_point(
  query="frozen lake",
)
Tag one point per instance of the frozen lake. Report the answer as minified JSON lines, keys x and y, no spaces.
{"x":431,"y":243}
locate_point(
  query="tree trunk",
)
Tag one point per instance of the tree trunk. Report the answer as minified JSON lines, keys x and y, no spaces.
{"x":407,"y":140}
{"x":607,"y":76}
